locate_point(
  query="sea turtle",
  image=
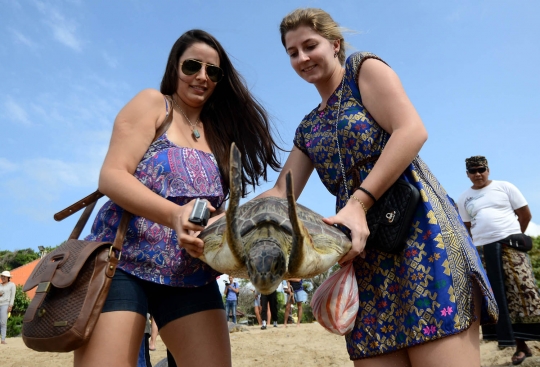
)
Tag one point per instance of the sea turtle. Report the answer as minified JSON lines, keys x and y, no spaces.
{"x":270,"y":239}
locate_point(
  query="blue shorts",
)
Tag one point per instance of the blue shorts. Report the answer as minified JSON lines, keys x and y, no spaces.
{"x":300,"y":296}
{"x":257,"y":302}
{"x":163,"y":302}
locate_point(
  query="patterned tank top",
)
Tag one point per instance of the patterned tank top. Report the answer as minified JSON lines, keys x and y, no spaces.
{"x":150,"y":250}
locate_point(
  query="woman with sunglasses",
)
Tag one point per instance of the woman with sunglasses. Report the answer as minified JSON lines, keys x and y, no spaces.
{"x":203,"y":106}
{"x":497,"y":215}
{"x":418,"y":307}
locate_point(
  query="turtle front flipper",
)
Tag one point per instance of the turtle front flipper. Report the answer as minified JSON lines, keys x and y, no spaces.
{"x":310,"y":254}
{"x":232,"y":233}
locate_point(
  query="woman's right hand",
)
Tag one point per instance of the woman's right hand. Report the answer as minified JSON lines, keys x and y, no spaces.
{"x":352,"y":216}
{"x":187,"y":232}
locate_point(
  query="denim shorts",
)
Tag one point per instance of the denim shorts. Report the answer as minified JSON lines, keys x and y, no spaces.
{"x":300,"y":296}
{"x":163,"y":302}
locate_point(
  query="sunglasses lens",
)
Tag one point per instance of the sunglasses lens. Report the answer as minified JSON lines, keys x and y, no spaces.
{"x":190,"y":67}
{"x":473,"y":171}
{"x":214,"y":73}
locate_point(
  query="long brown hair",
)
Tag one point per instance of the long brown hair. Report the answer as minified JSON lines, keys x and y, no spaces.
{"x":231,"y":114}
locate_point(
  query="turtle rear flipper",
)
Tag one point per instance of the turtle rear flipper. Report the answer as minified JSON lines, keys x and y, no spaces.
{"x":310,"y":255}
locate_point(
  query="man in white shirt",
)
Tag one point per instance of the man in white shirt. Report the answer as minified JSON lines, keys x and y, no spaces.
{"x":494,"y":212}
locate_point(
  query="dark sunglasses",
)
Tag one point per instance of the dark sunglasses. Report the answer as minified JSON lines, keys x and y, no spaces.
{"x":191,"y":66}
{"x":473,"y":171}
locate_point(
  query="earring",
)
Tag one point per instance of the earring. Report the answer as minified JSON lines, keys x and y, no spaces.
{"x":335,"y":55}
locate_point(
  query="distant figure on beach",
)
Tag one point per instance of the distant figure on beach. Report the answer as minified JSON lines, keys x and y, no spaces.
{"x":7,"y":298}
{"x":167,"y":150}
{"x":362,"y":135}
{"x":231,"y":298}
{"x":496,"y":214}
{"x":257,"y":308}
{"x":269,"y":300}
{"x":299,"y":295}
{"x":144,"y":352}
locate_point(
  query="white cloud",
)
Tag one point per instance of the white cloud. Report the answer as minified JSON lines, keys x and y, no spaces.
{"x":63,"y":29}
{"x":21,"y":38}
{"x":533,"y":229}
{"x":111,"y":61}
{"x":14,"y":111}
{"x":6,"y":166}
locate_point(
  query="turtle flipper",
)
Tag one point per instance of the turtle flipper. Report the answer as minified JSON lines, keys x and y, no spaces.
{"x":310,"y":255}
{"x":232,"y":233}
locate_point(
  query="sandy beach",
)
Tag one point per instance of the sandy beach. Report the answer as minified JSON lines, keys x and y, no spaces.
{"x":307,"y":345}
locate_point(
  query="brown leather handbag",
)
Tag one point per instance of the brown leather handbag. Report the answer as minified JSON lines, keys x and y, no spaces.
{"x":72,"y":284}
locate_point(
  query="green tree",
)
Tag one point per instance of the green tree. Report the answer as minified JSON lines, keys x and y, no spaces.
{"x":20,"y":304}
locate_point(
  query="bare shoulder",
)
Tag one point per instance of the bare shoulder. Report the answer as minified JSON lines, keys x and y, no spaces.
{"x":148,"y":105}
{"x":375,"y":71}
{"x":150,"y":96}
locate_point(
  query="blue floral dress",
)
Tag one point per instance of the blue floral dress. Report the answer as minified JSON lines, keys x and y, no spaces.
{"x":425,"y":292}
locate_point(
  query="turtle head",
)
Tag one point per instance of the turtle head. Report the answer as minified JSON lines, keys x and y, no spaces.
{"x":266,"y":265}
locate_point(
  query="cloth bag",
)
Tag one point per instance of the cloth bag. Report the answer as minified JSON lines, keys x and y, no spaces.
{"x":72,"y":284}
{"x":335,"y":303}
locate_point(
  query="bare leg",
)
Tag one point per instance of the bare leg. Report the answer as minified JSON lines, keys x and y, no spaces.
{"x":115,"y":341}
{"x":287,"y":311}
{"x":397,"y":359}
{"x":258,"y":314}
{"x":189,"y":338}
{"x":299,"y":305}
{"x":153,"y":335}
{"x":459,"y":350}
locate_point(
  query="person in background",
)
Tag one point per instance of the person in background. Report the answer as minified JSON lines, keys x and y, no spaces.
{"x":169,"y":148}
{"x":269,"y":300}
{"x":300,"y":296}
{"x":496,"y":214}
{"x":231,"y":298}
{"x":257,"y":306}
{"x":153,"y":335}
{"x":289,"y":301}
{"x":7,"y":298}
{"x":144,"y":351}
{"x":363,"y":135}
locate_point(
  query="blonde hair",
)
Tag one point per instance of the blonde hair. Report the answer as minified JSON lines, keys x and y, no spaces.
{"x":318,"y":20}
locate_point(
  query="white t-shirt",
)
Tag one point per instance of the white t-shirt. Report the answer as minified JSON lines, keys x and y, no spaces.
{"x":491,"y":211}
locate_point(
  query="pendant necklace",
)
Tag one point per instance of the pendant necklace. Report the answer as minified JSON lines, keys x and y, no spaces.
{"x":194,"y":129}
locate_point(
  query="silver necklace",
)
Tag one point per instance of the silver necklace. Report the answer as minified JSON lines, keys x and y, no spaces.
{"x":337,"y":140}
{"x":194,"y":129}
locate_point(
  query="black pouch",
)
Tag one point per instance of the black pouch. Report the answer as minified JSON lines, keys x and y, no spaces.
{"x":518,"y":241}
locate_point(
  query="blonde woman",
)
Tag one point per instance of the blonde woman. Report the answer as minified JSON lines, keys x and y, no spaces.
{"x":423,"y":306}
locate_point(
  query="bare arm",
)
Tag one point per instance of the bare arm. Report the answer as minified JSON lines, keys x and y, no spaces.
{"x":133,"y":131}
{"x":386,"y":100}
{"x":524,"y":217}
{"x":301,"y":167}
{"x":468,"y":226}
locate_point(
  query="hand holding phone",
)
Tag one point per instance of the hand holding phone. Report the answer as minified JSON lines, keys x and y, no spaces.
{"x":200,"y":213}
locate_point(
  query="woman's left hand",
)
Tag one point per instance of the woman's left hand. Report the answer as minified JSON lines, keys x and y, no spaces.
{"x":353,"y":217}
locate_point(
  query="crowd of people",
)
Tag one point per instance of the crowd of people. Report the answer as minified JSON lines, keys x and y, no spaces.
{"x":362,"y":135}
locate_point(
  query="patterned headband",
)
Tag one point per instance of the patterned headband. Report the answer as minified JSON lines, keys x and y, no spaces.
{"x":476,"y":161}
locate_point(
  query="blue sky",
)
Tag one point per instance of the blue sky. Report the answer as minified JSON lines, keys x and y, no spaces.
{"x":67,"y":67}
